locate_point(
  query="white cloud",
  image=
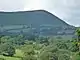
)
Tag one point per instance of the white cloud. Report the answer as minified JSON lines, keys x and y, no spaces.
{"x":11,"y":5}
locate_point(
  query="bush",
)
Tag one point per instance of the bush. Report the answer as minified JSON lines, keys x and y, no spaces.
{"x":7,"y":50}
{"x":2,"y":59}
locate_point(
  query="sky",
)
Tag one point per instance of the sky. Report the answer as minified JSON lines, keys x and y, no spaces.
{"x":67,"y":10}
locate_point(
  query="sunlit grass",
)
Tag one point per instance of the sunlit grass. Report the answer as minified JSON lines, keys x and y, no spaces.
{"x":19,"y":53}
{"x":9,"y":58}
{"x":17,"y":56}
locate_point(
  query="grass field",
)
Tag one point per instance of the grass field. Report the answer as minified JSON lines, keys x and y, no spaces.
{"x":17,"y":56}
{"x":9,"y":58}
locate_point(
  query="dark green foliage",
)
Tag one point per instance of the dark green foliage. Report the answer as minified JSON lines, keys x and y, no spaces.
{"x":19,"y":40}
{"x":53,"y":57}
{"x":74,"y":48}
{"x":7,"y":50}
{"x":2,"y":59}
{"x":64,"y":57}
{"x":62,"y":45}
{"x":77,"y":43}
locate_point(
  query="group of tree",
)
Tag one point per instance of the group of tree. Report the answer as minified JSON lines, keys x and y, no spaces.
{"x":41,"y":48}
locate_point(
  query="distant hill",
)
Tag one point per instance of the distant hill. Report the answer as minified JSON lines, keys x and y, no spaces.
{"x":37,"y":17}
{"x":41,"y":20}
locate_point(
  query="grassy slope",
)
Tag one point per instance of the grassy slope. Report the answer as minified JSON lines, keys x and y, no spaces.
{"x":16,"y":56}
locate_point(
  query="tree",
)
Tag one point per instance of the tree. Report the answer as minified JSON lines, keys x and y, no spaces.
{"x":4,"y":39}
{"x":7,"y":49}
{"x":64,"y":57}
{"x":48,"y":53}
{"x":48,"y":56}
{"x":29,"y":57}
{"x":62,"y":45}
{"x":2,"y":59}
{"x":29,"y":53}
{"x":73,"y":48}
{"x":19,"y":40}
{"x":78,"y":38}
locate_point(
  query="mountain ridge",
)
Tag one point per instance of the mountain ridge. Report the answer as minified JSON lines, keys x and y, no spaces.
{"x":34,"y":11}
{"x":41,"y":21}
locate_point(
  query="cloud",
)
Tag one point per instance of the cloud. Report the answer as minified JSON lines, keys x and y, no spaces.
{"x":68,"y":10}
{"x":11,"y":5}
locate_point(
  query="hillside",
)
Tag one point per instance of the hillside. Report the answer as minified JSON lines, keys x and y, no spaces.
{"x":41,"y":20}
{"x":37,"y":17}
